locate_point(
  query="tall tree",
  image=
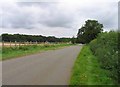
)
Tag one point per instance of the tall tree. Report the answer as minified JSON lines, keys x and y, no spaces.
{"x":89,"y":31}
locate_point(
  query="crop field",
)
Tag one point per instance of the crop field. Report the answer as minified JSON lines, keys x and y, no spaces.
{"x":13,"y":51}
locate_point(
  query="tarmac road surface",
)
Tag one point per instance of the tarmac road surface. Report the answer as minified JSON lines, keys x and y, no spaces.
{"x":51,"y":67}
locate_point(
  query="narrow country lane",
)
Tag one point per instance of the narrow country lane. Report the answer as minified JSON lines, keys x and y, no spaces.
{"x":47,"y":68}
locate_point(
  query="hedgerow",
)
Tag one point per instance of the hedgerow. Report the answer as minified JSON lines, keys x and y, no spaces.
{"x":105,"y":48}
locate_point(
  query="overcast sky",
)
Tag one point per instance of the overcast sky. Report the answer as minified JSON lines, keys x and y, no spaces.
{"x":60,"y":18}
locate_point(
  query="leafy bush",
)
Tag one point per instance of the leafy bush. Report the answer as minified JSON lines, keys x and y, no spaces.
{"x":105,"y":47}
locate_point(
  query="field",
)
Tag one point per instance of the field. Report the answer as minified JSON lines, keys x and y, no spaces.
{"x":22,"y":50}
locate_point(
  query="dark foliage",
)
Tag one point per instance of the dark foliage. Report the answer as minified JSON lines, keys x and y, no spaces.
{"x":32,"y":38}
{"x":89,"y":31}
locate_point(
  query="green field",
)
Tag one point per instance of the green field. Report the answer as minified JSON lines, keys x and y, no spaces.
{"x":87,"y":71}
{"x":13,"y":52}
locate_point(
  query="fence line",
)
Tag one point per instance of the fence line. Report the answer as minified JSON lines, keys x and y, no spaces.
{"x":18,"y":44}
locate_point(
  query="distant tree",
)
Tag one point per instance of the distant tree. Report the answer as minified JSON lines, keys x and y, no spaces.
{"x":6,"y":37}
{"x":51,"y":39}
{"x":89,"y":31}
{"x":64,"y":39}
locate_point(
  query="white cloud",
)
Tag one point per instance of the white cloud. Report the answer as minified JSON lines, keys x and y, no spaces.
{"x":61,"y":18}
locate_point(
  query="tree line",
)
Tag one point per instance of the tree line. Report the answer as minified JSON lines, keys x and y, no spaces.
{"x":31,"y":38}
{"x":86,"y":33}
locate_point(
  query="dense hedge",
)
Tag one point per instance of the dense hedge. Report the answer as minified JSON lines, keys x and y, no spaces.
{"x":105,"y":47}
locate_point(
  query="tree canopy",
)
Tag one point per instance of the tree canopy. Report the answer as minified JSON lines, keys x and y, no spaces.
{"x":89,"y":31}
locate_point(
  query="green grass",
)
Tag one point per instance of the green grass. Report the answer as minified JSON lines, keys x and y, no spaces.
{"x":13,"y":52}
{"x":87,"y":71}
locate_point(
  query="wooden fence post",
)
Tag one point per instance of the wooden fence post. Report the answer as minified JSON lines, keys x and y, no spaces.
{"x":15,"y":44}
{"x":19,"y":43}
{"x":27,"y":43}
{"x":30,"y":42}
{"x":10,"y":43}
{"x":24,"y":43}
{"x":2,"y":43}
{"x":36,"y":42}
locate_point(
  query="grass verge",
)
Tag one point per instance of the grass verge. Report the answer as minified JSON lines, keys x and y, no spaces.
{"x":13,"y":52}
{"x":87,"y":71}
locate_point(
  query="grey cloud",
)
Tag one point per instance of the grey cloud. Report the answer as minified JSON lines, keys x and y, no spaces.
{"x":110,"y":18}
{"x":119,"y":15}
{"x":55,"y":17}
{"x":58,"y":20}
{"x":59,"y":23}
{"x":52,"y":18}
{"x":110,"y":23}
{"x":40,"y":4}
{"x":50,"y":15}
{"x":17,"y":21}
{"x":107,"y":15}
